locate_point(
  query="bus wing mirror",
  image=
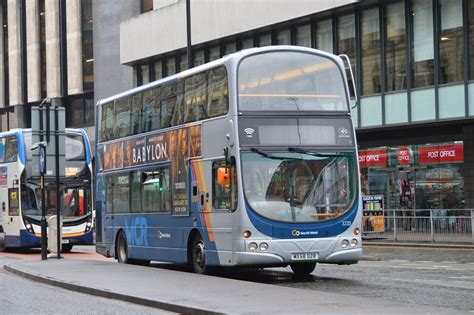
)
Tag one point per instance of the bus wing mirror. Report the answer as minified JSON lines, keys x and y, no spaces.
{"x":223,"y":176}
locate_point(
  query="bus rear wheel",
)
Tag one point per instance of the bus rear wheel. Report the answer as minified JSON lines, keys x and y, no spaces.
{"x":122,"y":249}
{"x":66,"y":248}
{"x":303,"y":269}
{"x":198,"y":255}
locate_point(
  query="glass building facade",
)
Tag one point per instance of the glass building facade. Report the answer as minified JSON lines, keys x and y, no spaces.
{"x":414,"y":72}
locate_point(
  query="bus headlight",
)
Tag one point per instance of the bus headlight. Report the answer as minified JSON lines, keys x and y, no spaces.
{"x":29,"y":228}
{"x":88,"y":226}
{"x":354,"y":242}
{"x":263,"y":247}
{"x":345,"y":243}
{"x":253,"y":247}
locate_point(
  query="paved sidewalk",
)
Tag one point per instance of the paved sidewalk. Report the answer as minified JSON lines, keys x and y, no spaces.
{"x":189,"y":293}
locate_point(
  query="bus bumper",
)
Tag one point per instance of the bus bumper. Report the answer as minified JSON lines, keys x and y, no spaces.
{"x":344,"y":257}
{"x":258,"y":259}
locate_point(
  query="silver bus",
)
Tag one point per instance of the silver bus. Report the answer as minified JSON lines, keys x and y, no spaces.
{"x":249,"y":160}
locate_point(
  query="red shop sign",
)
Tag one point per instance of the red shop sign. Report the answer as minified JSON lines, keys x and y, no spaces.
{"x":403,"y":155}
{"x":373,"y":158}
{"x":441,"y":154}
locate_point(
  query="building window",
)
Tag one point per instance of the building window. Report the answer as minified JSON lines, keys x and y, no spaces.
{"x":395,"y":48}
{"x":198,"y":58}
{"x":146,"y":6}
{"x":283,"y":37}
{"x":158,"y":70}
{"x":247,"y":43}
{"x":214,"y":53}
{"x":451,"y":41}
{"x":145,"y":74}
{"x":87,"y":48}
{"x":471,"y":38}
{"x":230,"y":48}
{"x":80,"y":111}
{"x":423,"y":49}
{"x":324,"y":39}
{"x":170,"y":66}
{"x":265,"y":40}
{"x":303,"y":36}
{"x":183,"y":63}
{"x":371,"y":70}
{"x":346,"y":42}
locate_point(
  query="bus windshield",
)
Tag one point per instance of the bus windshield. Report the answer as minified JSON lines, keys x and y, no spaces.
{"x":299,"y":186}
{"x":291,"y":81}
{"x":73,"y":204}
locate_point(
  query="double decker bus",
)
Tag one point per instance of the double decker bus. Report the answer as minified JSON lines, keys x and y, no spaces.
{"x":20,"y":193}
{"x":249,"y":160}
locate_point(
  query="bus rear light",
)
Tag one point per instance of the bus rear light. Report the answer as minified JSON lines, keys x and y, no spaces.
{"x":247,"y":234}
{"x":253,"y":247}
{"x":356,"y":231}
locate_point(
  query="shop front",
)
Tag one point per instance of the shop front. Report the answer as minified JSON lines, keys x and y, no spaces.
{"x":415,"y":179}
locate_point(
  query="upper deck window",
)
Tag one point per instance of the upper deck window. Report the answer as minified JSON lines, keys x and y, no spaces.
{"x":291,"y":81}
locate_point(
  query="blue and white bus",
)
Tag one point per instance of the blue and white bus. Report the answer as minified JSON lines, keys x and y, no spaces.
{"x":249,"y":160}
{"x":20,"y":193}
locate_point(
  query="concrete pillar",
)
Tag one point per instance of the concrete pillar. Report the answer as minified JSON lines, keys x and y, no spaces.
{"x":14,"y":52}
{"x":2,"y":68}
{"x":53,"y":71}
{"x":74,"y":47}
{"x":33,"y":51}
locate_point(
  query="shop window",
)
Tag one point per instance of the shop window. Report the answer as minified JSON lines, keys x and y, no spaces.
{"x":423,"y":49}
{"x":451,"y":42}
{"x":224,"y":188}
{"x":395,"y":48}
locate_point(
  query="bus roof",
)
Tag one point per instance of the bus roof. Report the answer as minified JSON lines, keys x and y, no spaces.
{"x":231,"y":58}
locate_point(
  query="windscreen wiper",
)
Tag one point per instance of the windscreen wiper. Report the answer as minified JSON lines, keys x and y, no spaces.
{"x":303,"y":151}
{"x":270,"y":156}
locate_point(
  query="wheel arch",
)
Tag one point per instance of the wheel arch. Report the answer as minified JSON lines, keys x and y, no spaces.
{"x":114,"y":248}
{"x":192,"y":234}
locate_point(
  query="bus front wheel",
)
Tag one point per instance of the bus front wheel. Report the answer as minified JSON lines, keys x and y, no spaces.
{"x":121,"y":249}
{"x":198,"y":255}
{"x":303,"y":269}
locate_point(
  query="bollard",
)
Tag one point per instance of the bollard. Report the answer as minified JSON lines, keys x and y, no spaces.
{"x":53,"y":236}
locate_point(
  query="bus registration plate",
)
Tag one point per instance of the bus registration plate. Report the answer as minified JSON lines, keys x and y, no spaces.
{"x":304,"y":256}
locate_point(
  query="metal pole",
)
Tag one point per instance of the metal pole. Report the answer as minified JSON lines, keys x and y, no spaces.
{"x":431,"y":226}
{"x":44,"y":252}
{"x":395,"y":224}
{"x":188,"y":32}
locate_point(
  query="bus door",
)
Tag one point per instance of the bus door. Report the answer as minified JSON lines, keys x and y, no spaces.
{"x":199,"y":186}
{"x":107,"y":208}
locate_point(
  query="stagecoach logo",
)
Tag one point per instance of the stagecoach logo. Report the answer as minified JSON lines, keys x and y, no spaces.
{"x":343,"y":132}
{"x":163,"y":235}
{"x":304,"y":233}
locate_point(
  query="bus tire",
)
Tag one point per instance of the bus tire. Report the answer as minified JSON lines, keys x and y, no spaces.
{"x":121,"y":249}
{"x":66,"y":248}
{"x":303,"y":269}
{"x":198,"y":255}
